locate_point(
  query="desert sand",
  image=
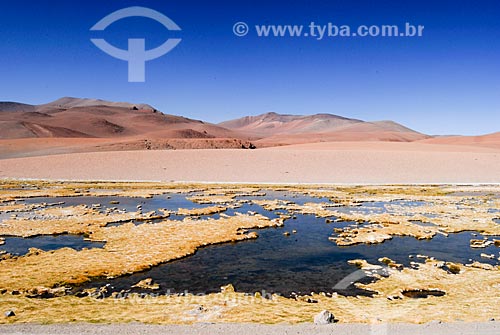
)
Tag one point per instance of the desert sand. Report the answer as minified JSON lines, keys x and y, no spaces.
{"x":327,"y":162}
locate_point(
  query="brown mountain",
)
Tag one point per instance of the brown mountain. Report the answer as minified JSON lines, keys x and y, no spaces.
{"x":94,"y":124}
{"x":271,"y":124}
{"x":70,"y":102}
{"x":71,"y":124}
{"x":9,"y":106}
{"x":276,"y":129}
{"x":71,"y":117}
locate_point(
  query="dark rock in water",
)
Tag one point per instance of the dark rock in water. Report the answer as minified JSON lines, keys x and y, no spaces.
{"x":422,"y":293}
{"x":9,"y":314}
{"x":324,"y":318}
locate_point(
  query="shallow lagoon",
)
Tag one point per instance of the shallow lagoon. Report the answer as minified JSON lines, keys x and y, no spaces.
{"x":302,"y":262}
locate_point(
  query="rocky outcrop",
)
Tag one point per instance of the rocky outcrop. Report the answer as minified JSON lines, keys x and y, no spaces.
{"x":324,"y":318}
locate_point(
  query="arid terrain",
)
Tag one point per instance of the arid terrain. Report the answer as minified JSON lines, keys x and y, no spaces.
{"x":74,"y":138}
{"x":328,"y":162}
{"x":56,"y":155}
{"x":88,"y":125}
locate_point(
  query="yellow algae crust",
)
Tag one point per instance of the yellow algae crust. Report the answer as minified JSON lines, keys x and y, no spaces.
{"x":470,"y":295}
{"x":129,"y":248}
{"x":453,"y":291}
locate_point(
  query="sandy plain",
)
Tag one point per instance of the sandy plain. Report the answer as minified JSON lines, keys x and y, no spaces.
{"x":328,"y":162}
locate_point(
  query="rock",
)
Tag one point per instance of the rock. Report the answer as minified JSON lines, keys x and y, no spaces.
{"x":324,"y":318}
{"x":436,"y":322}
{"x":9,"y":313}
{"x":198,"y":310}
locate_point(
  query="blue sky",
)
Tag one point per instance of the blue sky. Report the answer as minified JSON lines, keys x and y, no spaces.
{"x":446,"y":82}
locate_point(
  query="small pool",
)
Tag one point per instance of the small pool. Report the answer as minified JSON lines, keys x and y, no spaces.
{"x":19,"y":246}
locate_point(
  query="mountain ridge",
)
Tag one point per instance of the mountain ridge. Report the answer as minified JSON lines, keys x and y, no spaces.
{"x":123,"y":125}
{"x":68,"y":102}
{"x":270,"y":129}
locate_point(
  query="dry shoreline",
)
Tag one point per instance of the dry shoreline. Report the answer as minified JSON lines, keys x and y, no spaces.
{"x":433,"y":328}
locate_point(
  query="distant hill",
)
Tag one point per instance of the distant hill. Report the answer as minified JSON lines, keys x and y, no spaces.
{"x":270,"y":124}
{"x":65,"y":103}
{"x":276,"y":129}
{"x":9,"y":106}
{"x":70,"y":102}
{"x":488,"y":140}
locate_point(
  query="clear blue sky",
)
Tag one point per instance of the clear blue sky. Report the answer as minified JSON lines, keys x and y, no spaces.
{"x":446,"y":82}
